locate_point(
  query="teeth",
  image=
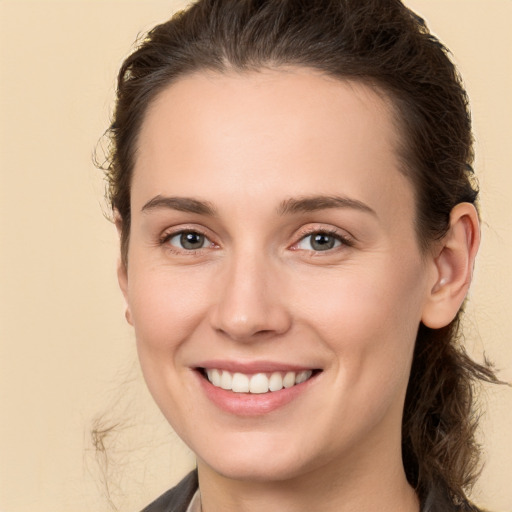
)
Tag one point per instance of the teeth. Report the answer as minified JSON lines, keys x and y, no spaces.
{"x":302,"y":377}
{"x":289,"y":380}
{"x":215,"y":378}
{"x":226,"y":380}
{"x":240,"y":383}
{"x":275,"y":383}
{"x":258,"y":383}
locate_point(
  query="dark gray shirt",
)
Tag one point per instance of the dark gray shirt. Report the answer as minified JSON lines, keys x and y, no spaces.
{"x":178,"y":499}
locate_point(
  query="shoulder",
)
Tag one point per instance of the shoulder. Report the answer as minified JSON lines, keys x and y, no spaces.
{"x":176,"y":499}
{"x":439,"y":501}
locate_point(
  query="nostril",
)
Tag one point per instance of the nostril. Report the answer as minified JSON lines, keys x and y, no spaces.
{"x":246,"y":312}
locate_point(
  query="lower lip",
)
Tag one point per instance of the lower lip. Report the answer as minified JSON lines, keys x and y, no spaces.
{"x":252,"y":404}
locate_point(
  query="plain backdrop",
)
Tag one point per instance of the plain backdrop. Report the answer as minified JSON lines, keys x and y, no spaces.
{"x":67,"y":359}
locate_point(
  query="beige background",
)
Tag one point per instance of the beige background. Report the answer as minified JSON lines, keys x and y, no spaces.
{"x":66,"y":355}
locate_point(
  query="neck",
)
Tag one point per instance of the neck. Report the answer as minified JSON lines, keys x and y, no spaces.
{"x":361,"y":486}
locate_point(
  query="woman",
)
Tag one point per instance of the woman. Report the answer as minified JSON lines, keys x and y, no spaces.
{"x":293,"y":190}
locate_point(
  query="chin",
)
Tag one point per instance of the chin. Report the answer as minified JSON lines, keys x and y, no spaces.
{"x":258,"y":462}
{"x":255,"y":471}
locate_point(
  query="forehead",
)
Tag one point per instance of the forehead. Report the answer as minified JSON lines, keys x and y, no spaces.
{"x":269,"y":133}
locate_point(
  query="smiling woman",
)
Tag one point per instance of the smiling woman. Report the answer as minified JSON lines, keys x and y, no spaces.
{"x":292,"y":186}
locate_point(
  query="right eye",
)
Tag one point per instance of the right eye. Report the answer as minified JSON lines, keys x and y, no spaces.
{"x":320,"y":241}
{"x":188,"y":240}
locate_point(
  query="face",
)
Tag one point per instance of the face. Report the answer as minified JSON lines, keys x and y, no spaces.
{"x":274,"y":279}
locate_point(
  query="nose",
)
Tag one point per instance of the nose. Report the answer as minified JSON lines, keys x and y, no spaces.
{"x":250,"y":304}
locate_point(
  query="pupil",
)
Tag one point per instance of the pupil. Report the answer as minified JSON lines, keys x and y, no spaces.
{"x":322,"y":242}
{"x":192,"y":240}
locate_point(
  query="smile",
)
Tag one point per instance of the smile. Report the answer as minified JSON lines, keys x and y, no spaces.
{"x":254,"y":388}
{"x":258,"y":383}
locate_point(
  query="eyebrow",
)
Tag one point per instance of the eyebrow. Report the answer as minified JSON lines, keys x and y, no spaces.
{"x":182,"y":204}
{"x":288,"y":206}
{"x":315,"y":203}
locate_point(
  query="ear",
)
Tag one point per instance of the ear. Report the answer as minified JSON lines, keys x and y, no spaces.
{"x":453,"y":265}
{"x":122,"y":271}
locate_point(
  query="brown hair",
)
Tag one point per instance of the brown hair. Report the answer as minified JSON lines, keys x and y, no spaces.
{"x":384,"y":45}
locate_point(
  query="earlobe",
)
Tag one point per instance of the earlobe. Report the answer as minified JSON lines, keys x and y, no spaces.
{"x":118,"y":221}
{"x":122,"y":271}
{"x":128,"y":315}
{"x":122,"y":278}
{"x":453,"y":267}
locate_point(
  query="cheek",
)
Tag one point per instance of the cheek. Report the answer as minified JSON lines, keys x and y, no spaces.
{"x":369,"y":317}
{"x":363,"y":298}
{"x":166,"y":308}
{"x":166,"y":305}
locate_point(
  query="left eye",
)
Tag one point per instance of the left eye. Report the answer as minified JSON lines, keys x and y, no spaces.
{"x":189,"y":240}
{"x":319,"y":242}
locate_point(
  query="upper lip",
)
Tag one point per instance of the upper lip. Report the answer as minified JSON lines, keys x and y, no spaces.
{"x":252,"y":367}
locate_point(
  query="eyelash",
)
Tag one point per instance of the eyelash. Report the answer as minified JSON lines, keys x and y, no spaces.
{"x":167,"y":237}
{"x":345,"y":241}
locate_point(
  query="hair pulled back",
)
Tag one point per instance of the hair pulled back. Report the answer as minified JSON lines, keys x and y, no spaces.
{"x":384,"y":45}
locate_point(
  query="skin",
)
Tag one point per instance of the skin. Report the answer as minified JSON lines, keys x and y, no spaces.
{"x":245,"y":145}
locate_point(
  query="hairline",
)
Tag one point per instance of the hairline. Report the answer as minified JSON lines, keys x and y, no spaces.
{"x":390,"y":100}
